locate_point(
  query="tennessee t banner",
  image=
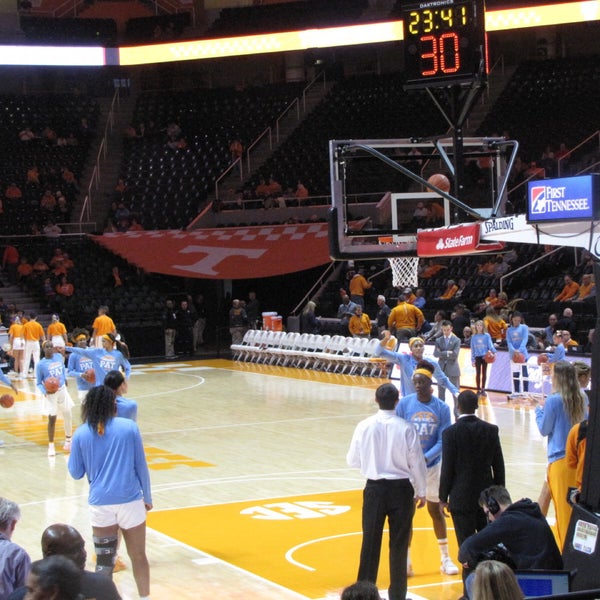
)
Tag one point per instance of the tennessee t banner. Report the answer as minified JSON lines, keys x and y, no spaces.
{"x":232,"y":253}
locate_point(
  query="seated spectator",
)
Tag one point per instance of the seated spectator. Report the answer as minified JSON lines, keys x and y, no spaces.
{"x":64,"y":288}
{"x":486,"y":268}
{"x":462,"y":285}
{"x":567,"y":322}
{"x":450,"y":291}
{"x":308,"y":320}
{"x":360,"y":323}
{"x":587,"y":289}
{"x":345,"y":312}
{"x":262,"y":189}
{"x":52,"y":230}
{"x":466,"y":337}
{"x":540,"y":341}
{"x":122,"y":212}
{"x":13,"y":192}
{"x":135,"y":225}
{"x":40,"y":268}
{"x":383,"y":312}
{"x":430,"y":269}
{"x":33,"y":175}
{"x":48,"y":135}
{"x":569,"y":291}
{"x":551,"y":327}
{"x":567,"y":340}
{"x":24,"y":272}
{"x":68,"y":177}
{"x":27,"y":135}
{"x":495,"y":580}
{"x":63,"y":540}
{"x":274,"y":187}
{"x":419,"y":300}
{"x":55,"y":577}
{"x":236,"y":149}
{"x":15,"y":561}
{"x":121,"y":187}
{"x":436,"y":327}
{"x":48,"y":201}
{"x":461,"y":318}
{"x":301,"y":192}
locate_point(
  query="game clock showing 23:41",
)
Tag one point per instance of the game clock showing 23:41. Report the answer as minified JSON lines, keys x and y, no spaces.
{"x":444,"y":42}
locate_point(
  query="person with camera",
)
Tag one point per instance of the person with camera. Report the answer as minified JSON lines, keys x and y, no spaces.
{"x":516,"y":532}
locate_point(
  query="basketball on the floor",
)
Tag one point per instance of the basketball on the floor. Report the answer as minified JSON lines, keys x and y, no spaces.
{"x":440,"y":181}
{"x":518,"y":357}
{"x":51,"y":385}
{"x":6,"y":401}
{"x":489,"y":357}
{"x":542,"y":358}
{"x":89,"y":376}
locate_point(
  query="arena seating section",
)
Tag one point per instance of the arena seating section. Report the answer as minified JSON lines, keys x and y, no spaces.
{"x":61,"y":113}
{"x":166,"y":186}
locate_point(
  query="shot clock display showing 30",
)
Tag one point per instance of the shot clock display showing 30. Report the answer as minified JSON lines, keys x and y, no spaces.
{"x":443,"y":42}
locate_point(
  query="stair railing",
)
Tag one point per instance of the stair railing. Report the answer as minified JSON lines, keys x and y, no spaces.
{"x":317,"y":285}
{"x":86,"y":209}
{"x":320,"y":76}
{"x":570,"y":152}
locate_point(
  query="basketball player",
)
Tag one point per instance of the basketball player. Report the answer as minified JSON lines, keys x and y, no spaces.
{"x":53,"y":365}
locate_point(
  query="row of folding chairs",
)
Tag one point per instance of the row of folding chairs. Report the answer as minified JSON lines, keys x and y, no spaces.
{"x":330,"y":353}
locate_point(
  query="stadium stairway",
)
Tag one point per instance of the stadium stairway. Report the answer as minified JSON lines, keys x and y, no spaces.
{"x":314,"y":94}
{"x":110,"y":164}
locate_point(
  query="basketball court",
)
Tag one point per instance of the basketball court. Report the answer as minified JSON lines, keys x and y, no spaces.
{"x":252,"y":495}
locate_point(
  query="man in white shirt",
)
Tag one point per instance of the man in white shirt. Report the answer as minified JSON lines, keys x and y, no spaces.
{"x":387,"y":450}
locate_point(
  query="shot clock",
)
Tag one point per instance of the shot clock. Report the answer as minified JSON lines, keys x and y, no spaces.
{"x":444,"y":42}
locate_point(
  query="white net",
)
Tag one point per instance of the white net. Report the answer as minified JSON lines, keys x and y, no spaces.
{"x":405,"y":271}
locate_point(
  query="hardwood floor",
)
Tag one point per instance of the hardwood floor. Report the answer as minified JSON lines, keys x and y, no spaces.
{"x":246,"y":461}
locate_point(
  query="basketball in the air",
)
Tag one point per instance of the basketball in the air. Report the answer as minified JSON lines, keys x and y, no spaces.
{"x":542,"y":358}
{"x":6,"y":401}
{"x":89,"y":376}
{"x":440,"y":181}
{"x":51,"y":385}
{"x":518,"y":357}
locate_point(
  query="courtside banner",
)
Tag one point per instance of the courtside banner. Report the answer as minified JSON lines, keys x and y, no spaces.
{"x":453,"y":240}
{"x":232,"y":253}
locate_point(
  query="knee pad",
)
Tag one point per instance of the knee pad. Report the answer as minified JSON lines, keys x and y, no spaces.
{"x":106,"y":553}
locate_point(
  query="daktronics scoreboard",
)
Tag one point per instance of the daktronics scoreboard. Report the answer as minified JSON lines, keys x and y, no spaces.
{"x":565,"y":199}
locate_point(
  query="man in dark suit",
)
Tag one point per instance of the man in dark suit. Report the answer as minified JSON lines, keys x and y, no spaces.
{"x":447,"y":348}
{"x":471,"y":461}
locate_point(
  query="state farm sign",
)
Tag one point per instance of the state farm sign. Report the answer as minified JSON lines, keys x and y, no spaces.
{"x":457,"y":239}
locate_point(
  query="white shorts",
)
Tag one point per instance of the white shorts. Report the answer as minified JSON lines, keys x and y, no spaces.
{"x":60,"y":401}
{"x":58,"y":341}
{"x":433,"y":483}
{"x":126,"y":516}
{"x":18,"y":344}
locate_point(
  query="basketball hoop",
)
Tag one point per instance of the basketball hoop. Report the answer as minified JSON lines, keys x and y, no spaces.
{"x":405,"y":269}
